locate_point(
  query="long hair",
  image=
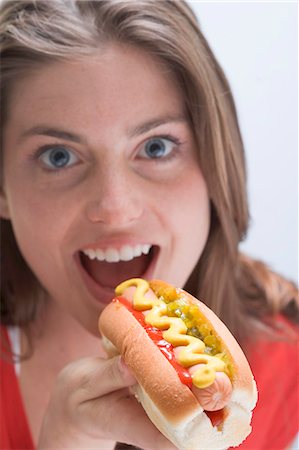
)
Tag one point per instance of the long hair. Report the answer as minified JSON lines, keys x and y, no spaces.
{"x":242,"y":292}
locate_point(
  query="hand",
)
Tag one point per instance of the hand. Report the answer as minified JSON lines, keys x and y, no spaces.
{"x":91,"y":402}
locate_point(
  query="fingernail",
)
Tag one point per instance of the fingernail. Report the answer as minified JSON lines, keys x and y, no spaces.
{"x":125,"y":371}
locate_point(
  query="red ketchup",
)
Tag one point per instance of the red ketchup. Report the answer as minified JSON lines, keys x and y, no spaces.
{"x":216,"y":417}
{"x":156,"y":336}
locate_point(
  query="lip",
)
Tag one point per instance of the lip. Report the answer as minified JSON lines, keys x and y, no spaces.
{"x":117,"y":244}
{"x":103,"y":294}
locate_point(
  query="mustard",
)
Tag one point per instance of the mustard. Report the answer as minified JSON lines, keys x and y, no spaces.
{"x":196,"y":350}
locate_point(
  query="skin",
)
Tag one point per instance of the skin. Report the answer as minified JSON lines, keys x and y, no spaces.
{"x":111,"y":193}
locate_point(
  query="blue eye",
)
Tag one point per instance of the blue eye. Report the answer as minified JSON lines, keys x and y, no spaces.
{"x":57,"y":157}
{"x":157,"y":148}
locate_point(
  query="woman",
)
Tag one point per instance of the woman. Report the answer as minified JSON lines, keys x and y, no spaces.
{"x":122,"y":157}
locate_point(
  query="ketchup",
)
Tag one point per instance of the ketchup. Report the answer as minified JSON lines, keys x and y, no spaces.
{"x":216,"y":417}
{"x":157,"y":337}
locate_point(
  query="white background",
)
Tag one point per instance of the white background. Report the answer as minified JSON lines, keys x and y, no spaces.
{"x":257,"y":44}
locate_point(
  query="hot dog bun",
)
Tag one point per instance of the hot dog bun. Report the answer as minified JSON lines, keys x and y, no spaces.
{"x":171,"y":405}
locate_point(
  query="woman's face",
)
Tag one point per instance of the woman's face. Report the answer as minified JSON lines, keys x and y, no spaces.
{"x":102,"y":181}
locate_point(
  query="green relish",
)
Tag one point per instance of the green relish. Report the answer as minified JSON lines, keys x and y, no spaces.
{"x":196,"y":323}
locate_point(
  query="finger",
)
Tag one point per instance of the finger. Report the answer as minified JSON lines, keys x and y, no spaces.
{"x":137,"y":429}
{"x":125,"y":420}
{"x":90,"y":378}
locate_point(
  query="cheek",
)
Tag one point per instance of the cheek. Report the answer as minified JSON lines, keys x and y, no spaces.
{"x":40,"y":233}
{"x":190,"y":209}
{"x":34,"y":206}
{"x":40,"y":223}
{"x":188,"y":222}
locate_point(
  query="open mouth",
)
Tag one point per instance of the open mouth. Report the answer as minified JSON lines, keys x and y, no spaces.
{"x":110,"y":267}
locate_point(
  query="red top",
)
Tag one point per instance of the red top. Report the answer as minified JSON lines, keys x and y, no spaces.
{"x":275,"y":419}
{"x":14,"y":428}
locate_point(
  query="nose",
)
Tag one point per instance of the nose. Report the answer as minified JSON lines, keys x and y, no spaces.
{"x":115,"y":199}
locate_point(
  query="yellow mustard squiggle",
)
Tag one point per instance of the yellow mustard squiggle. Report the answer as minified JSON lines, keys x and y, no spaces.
{"x":175,"y":334}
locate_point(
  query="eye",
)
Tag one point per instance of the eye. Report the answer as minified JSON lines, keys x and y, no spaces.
{"x":57,"y":157}
{"x":158,"y":148}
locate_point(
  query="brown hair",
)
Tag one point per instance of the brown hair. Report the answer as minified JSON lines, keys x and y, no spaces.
{"x":242,"y":292}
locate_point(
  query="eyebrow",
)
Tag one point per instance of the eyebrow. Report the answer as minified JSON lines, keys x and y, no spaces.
{"x":43,"y":130}
{"x":154,"y":123}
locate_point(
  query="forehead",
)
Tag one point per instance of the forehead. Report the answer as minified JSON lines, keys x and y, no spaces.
{"x":111,"y":84}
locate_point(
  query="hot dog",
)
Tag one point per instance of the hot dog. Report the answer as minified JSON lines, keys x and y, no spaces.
{"x":194,"y":381}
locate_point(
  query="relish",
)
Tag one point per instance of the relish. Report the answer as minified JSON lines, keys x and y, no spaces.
{"x":197,"y":326}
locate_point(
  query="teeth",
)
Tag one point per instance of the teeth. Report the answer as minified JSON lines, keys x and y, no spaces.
{"x":112,"y":255}
{"x":126,"y":253}
{"x":100,"y":255}
{"x":146,"y":248}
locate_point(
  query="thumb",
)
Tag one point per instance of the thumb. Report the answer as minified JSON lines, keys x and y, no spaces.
{"x":108,"y":376}
{"x":121,"y":373}
{"x":89,"y":378}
